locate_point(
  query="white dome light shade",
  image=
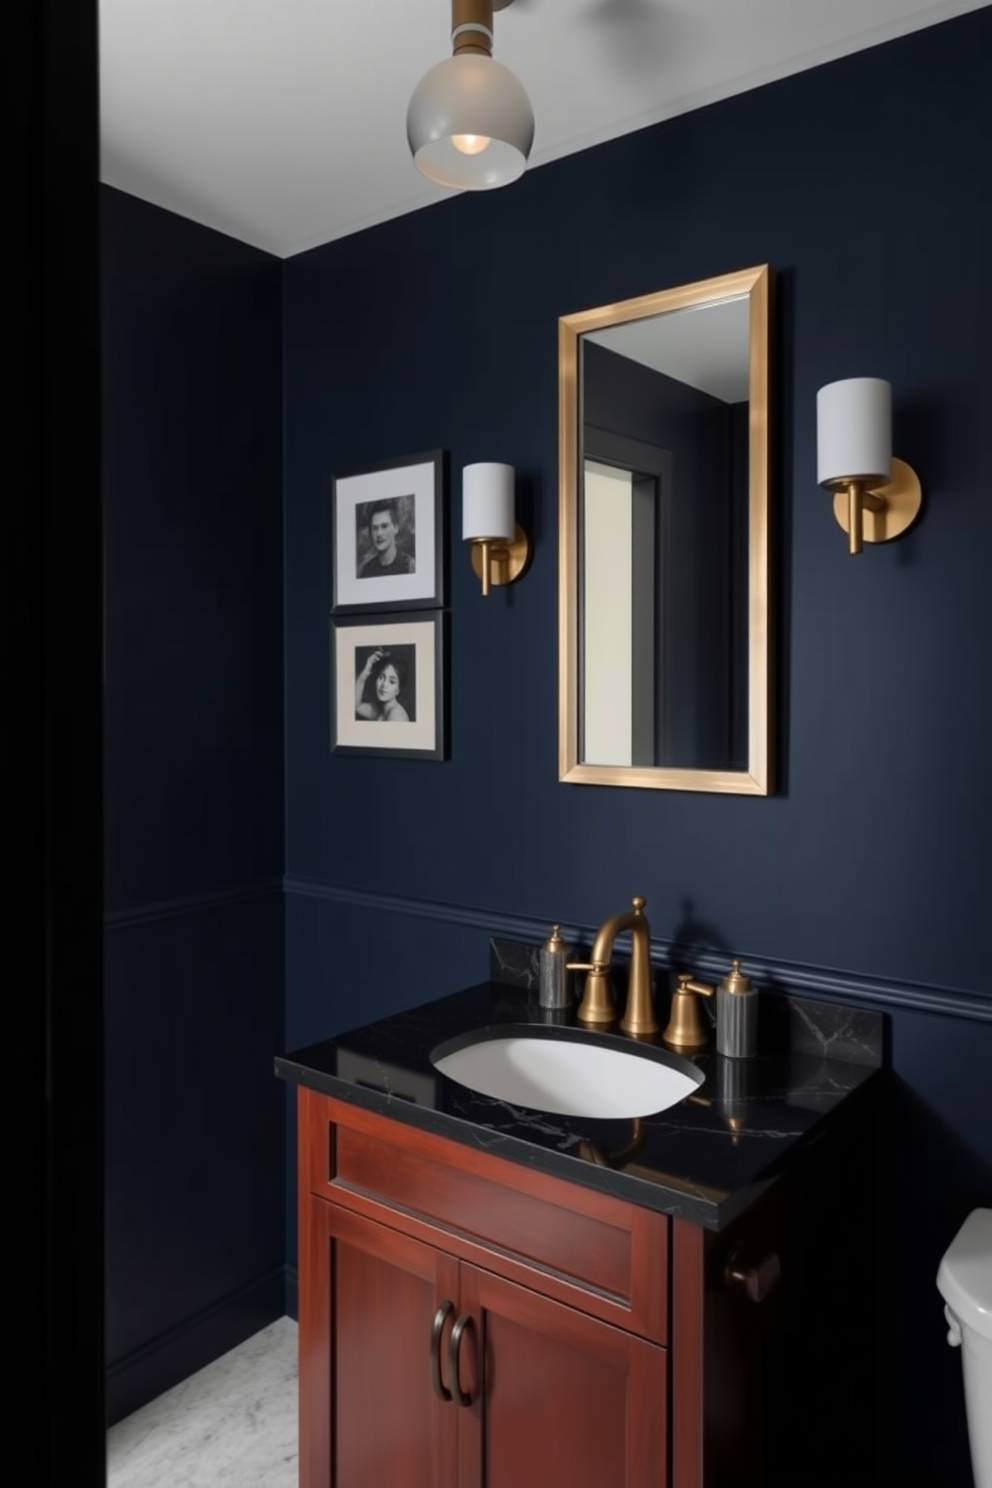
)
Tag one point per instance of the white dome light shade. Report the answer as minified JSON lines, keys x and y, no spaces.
{"x":471,"y":98}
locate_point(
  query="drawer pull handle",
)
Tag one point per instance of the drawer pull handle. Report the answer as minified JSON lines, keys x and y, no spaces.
{"x":454,"y":1345}
{"x":752,"y":1281}
{"x":437,"y":1385}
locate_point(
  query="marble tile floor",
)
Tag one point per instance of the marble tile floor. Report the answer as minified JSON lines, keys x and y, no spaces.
{"x":232,"y":1423}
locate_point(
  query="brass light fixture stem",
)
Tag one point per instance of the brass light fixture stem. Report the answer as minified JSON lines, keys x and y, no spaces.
{"x":495,"y":561}
{"x":854,"y":518}
{"x":893,"y":507}
{"x":476,"y":17}
{"x":860,"y":498}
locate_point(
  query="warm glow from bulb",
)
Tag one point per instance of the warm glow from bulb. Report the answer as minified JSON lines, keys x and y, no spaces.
{"x":471,"y":144}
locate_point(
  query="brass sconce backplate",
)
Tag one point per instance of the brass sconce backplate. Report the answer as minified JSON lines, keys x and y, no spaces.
{"x":506,"y":560}
{"x":903,"y":497}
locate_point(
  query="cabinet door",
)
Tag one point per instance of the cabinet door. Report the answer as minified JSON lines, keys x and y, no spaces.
{"x":368,"y":1409}
{"x":557,"y":1397}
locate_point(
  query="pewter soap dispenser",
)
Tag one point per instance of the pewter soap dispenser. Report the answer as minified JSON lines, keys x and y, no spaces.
{"x":736,"y":1015}
{"x":554,"y":976}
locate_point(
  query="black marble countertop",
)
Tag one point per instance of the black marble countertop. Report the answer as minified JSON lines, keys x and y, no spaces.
{"x":706,"y":1159}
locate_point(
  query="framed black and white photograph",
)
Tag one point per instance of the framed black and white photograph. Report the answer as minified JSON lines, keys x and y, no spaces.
{"x":387,"y":536}
{"x":387,"y":686}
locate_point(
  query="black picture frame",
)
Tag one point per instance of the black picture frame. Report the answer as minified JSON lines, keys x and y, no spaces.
{"x":404,"y":499}
{"x":416,"y":647}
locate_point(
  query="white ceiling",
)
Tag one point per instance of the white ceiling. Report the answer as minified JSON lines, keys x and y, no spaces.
{"x":283,"y":122}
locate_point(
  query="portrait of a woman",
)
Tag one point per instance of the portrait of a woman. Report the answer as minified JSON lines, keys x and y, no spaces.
{"x":382,"y":690}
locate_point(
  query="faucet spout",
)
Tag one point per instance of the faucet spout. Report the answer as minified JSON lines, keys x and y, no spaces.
{"x":639,"y":1016}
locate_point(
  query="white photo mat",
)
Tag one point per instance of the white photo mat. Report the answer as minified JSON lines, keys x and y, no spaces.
{"x":417,"y":486}
{"x":423,"y":734}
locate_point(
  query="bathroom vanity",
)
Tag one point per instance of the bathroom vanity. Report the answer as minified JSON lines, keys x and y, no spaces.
{"x":493,"y":1296}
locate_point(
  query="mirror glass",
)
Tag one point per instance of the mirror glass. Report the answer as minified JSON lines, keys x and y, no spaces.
{"x":664,"y":539}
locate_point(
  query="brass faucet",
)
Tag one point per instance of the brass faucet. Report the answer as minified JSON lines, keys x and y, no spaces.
{"x":597,"y":1005}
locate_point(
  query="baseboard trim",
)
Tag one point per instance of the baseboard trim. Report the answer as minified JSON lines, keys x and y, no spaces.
{"x":784,"y":976}
{"x":149,"y":1371}
{"x":168,"y":909}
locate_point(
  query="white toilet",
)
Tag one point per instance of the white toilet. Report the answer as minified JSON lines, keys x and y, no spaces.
{"x":965,"y":1283}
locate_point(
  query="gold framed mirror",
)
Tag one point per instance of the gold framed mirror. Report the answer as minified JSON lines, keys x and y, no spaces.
{"x":664,"y":604}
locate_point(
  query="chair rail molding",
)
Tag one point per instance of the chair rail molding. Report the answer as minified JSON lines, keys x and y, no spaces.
{"x":779,"y":976}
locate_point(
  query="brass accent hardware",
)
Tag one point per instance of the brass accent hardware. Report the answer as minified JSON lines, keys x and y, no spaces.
{"x":500,"y":563}
{"x":454,"y":1344}
{"x":472,"y":26}
{"x":437,"y":1328}
{"x":872,"y":513}
{"x":751,"y":1281}
{"x":471,"y":20}
{"x":735,"y":981}
{"x":686,"y":1029}
{"x":597,"y":1005}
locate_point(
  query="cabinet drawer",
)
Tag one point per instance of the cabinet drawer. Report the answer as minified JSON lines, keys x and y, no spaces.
{"x":560,"y":1238}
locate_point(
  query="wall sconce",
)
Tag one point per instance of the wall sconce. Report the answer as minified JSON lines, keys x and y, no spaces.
{"x":500,"y":547}
{"x":469,"y":123}
{"x":877,"y":497}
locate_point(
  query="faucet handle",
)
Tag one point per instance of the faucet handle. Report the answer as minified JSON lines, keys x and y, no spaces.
{"x":686,"y":1029}
{"x":596,"y":1006}
{"x":688,"y":984}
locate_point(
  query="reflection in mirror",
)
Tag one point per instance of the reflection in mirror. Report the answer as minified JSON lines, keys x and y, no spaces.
{"x":664,"y":528}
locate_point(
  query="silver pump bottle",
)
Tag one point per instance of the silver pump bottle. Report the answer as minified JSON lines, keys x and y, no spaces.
{"x":736,"y":1015}
{"x":553,"y":991}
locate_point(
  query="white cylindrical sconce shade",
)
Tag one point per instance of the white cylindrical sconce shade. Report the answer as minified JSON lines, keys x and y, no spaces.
{"x":854,"y":431}
{"x":479,"y":104}
{"x":488,"y":503}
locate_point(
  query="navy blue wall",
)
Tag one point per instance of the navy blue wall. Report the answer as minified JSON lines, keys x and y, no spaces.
{"x":193,"y":807}
{"x":868,"y":874}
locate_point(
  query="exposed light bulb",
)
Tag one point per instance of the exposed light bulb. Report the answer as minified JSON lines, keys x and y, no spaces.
{"x":471,"y":144}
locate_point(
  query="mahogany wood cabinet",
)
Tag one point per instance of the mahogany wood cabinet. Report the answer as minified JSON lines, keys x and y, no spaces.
{"x":468,"y":1322}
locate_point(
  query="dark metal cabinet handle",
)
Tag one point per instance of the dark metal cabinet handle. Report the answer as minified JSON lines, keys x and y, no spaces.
{"x":754,"y":1281}
{"x":437,"y":1385}
{"x":454,"y":1343}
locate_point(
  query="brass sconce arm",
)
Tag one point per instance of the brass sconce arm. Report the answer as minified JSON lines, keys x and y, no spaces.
{"x":869,"y":512}
{"x":498,"y":562}
{"x":859,"y":499}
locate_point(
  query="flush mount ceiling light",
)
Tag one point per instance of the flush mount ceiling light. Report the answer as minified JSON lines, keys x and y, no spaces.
{"x":470,"y":124}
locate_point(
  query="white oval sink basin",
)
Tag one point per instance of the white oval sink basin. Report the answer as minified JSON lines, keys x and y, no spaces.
{"x":570,"y":1076}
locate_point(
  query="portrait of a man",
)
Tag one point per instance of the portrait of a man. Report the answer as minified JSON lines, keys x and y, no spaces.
{"x":385,"y":538}
{"x":386,"y":534}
